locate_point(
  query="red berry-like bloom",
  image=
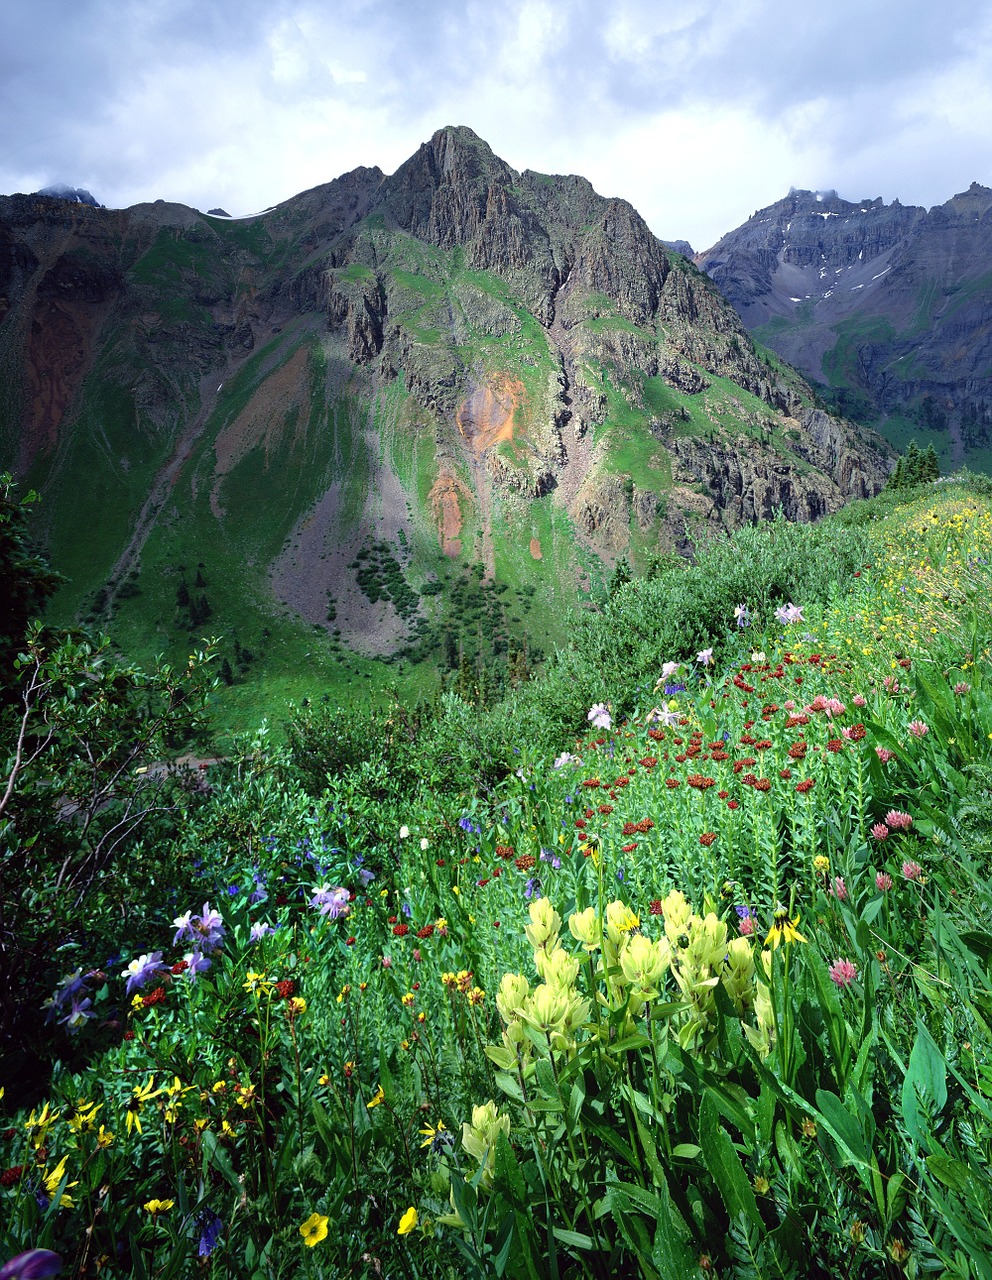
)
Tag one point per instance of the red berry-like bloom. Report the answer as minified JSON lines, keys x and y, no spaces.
{"x":285,"y":988}
{"x":628,"y":848}
{"x":401,"y":930}
{"x":154,"y":997}
{"x":707,"y":838}
{"x":803,"y":787}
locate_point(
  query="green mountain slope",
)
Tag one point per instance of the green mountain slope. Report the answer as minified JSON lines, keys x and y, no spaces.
{"x":412,"y":417}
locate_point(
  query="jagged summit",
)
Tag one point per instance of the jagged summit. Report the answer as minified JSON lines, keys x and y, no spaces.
{"x":75,"y":195}
{"x":452,"y":369}
{"x":885,"y":303}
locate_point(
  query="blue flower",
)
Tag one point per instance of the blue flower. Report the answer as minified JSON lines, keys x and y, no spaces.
{"x":211,"y":1228}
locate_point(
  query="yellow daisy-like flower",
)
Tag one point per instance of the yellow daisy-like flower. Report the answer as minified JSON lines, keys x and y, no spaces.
{"x":437,"y":1138}
{"x":376,"y":1098}
{"x":783,"y":930}
{"x":155,"y":1207}
{"x":104,"y":1138}
{"x":407,"y":1222}
{"x":314,"y":1229}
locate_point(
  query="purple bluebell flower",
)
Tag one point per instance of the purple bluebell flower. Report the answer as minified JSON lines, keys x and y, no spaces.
{"x":674,"y":688}
{"x":465,"y":823}
{"x":532,"y":887}
{"x":211,"y":1228}
{"x":407,"y":909}
{"x":32,"y":1265}
{"x":366,"y":877}
{"x":141,"y":969}
{"x":743,"y":913}
{"x":620,"y":874}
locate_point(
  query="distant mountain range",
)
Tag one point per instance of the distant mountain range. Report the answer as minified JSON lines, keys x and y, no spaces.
{"x":406,"y":415}
{"x":889,"y":307}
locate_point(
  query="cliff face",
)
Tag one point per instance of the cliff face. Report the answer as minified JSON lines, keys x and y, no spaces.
{"x":450,"y":359}
{"x":888,"y":305}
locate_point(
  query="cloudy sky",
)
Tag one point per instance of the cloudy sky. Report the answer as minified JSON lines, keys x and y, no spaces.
{"x":697,"y":111}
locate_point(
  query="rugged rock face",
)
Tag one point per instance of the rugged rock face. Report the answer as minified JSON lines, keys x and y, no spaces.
{"x":889,"y":305}
{"x":435,"y":349}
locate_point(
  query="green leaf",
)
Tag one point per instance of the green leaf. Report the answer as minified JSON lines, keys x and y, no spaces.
{"x":842,"y":1127}
{"x":952,"y":1173}
{"x":925,"y":1082}
{"x":574,"y":1239}
{"x":721,"y":1158}
{"x":215,"y":1155}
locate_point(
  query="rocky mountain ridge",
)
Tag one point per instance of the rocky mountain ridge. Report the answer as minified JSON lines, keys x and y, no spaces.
{"x":465,"y":365}
{"x":889,"y":306}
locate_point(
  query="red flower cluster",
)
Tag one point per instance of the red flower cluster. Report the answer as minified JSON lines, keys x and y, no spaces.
{"x":401,"y":930}
{"x":700,"y":782}
{"x":526,"y":862}
{"x":504,"y":851}
{"x":707,"y":838}
{"x":154,"y":997}
{"x":285,"y":988}
{"x":803,"y":787}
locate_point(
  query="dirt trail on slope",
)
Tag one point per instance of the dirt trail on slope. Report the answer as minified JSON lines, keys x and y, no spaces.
{"x":164,"y":482}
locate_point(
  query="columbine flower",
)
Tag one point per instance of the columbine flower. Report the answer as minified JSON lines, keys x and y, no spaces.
{"x":314,"y":1229}
{"x":705,"y":657}
{"x":208,"y":928}
{"x":331,"y":902}
{"x":407,"y":1222}
{"x":783,"y":930}
{"x":196,"y":964}
{"x":668,"y":669}
{"x":843,"y":973}
{"x":742,"y":615}
{"x":259,"y":930}
{"x":599,"y":716}
{"x":140,"y":970}
{"x":565,"y":758}
{"x":787,"y":613}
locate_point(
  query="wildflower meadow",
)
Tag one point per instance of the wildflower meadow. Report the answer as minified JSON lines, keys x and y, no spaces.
{"x":673,"y":963}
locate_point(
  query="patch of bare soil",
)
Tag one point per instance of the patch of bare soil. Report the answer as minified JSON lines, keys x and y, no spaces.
{"x":59,"y":354}
{"x":485,"y":417}
{"x":312,"y":568}
{"x":535,"y":549}
{"x":446,"y":496}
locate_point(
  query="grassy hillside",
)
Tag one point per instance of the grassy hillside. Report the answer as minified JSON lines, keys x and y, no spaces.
{"x":675,"y":959}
